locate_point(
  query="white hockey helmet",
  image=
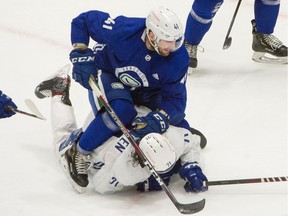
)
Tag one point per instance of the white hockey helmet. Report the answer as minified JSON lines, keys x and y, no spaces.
{"x":158,"y":151}
{"x":165,"y":25}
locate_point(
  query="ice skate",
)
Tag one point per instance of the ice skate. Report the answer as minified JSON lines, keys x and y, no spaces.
{"x":56,"y":84}
{"x":75,"y":168}
{"x":267,"y":48}
{"x":192,"y":51}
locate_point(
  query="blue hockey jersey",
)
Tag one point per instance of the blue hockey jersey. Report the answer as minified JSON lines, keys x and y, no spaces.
{"x":126,"y":56}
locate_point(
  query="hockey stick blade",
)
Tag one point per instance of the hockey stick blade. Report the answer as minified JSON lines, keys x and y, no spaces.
{"x":227,"y":43}
{"x":228,"y":40}
{"x":30,"y":104}
{"x":189,"y":208}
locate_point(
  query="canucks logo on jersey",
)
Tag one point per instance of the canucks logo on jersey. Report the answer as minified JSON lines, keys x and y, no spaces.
{"x":132,"y":76}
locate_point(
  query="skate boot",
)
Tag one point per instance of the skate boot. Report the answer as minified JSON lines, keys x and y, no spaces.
{"x":192,"y":51}
{"x":57,"y":84}
{"x":267,"y":48}
{"x":75,"y":167}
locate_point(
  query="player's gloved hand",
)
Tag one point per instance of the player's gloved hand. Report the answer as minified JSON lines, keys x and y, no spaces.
{"x":196,"y":181}
{"x":151,"y":183}
{"x":83,"y":66}
{"x":152,"y":122}
{"x":5,"y":103}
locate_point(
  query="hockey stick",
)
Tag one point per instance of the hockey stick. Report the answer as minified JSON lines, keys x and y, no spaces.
{"x":30,"y":104}
{"x":189,"y":208}
{"x":25,"y":113}
{"x":248,"y":181}
{"x":228,"y":40}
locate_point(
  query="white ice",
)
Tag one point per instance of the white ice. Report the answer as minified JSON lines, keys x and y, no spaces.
{"x":240,"y":105}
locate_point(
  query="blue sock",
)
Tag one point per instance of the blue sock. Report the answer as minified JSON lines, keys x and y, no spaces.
{"x":200,"y":19}
{"x":266,"y":15}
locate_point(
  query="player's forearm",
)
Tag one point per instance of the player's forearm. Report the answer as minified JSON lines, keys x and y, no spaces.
{"x":79,"y":30}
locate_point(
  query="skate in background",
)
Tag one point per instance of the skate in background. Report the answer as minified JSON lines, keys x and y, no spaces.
{"x":267,"y":48}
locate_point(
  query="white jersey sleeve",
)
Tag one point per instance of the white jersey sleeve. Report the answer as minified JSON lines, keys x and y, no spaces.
{"x":187,"y":145}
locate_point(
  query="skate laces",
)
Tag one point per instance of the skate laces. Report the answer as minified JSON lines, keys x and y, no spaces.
{"x":88,"y":162}
{"x":80,"y":164}
{"x":192,"y":49}
{"x":274,"y":42}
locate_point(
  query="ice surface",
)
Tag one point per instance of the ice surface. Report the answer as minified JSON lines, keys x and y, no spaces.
{"x":240,"y":105}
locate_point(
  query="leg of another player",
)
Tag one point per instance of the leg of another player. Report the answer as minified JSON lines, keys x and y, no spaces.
{"x":267,"y":48}
{"x":199,"y":21}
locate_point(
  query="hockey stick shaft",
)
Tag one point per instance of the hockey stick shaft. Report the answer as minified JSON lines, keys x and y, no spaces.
{"x":248,"y":181}
{"x":183,"y":208}
{"x":228,"y":39}
{"x":233,"y":18}
{"x":24,"y":113}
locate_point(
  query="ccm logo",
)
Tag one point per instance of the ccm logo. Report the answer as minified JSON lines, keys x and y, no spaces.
{"x":83,"y":59}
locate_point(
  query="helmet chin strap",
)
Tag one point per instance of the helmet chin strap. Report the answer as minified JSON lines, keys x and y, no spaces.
{"x":153,"y":44}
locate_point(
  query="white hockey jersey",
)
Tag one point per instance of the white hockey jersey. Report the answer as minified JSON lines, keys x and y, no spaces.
{"x":113,"y":166}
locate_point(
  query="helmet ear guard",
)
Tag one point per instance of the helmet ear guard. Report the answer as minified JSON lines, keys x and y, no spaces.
{"x":158,"y":151}
{"x":165,"y":25}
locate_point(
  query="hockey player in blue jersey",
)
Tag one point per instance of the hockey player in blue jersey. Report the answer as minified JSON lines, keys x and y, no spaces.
{"x":115,"y":166}
{"x":266,"y":12}
{"x":138,"y":61}
{"x":6,"y":106}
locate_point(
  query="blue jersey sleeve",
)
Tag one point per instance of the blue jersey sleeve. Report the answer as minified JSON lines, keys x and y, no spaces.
{"x":174,"y":94}
{"x":174,"y":97}
{"x":102,"y":28}
{"x":94,"y":24}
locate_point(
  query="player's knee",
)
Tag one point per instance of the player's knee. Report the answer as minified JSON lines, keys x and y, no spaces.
{"x":206,"y":9}
{"x":125,"y":110}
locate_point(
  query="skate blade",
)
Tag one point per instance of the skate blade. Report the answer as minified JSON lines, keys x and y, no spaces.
{"x":190,"y":70}
{"x":268,"y":58}
{"x":65,"y":168}
{"x":62,"y":72}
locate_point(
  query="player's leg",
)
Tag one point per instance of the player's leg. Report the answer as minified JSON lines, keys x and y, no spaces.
{"x":103,"y":126}
{"x":264,"y":43}
{"x":64,"y":126}
{"x":62,"y":114}
{"x":199,"y":21}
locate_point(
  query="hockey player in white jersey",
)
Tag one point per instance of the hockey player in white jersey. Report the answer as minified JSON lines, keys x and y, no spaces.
{"x":114,"y":166}
{"x":121,"y":168}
